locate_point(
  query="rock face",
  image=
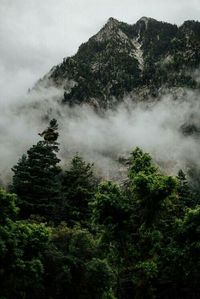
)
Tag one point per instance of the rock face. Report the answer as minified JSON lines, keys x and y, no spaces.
{"x":134,"y":60}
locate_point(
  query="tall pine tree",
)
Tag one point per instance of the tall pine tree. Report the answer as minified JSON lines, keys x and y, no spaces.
{"x":35,"y":179}
{"x":78,"y":188}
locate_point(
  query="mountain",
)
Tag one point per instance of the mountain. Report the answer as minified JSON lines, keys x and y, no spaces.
{"x":139,"y":60}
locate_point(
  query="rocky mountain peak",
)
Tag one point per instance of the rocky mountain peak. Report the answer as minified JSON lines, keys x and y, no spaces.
{"x":110,"y":28}
{"x":112,"y":22}
{"x":145,"y":20}
{"x":191,"y":28}
{"x":123,"y":59}
{"x":143,"y":23}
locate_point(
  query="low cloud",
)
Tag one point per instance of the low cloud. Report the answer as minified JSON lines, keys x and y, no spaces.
{"x":103,"y":138}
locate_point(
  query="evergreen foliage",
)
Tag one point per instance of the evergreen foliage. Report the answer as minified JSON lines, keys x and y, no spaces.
{"x":35,"y":179}
{"x":104,"y":240}
{"x":123,"y":58}
{"x":78,"y":188}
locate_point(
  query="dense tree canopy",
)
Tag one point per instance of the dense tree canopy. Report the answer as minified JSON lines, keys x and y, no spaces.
{"x":65,"y":234}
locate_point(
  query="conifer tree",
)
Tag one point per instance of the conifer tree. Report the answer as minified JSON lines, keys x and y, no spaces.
{"x":35,"y":179}
{"x":78,"y":186}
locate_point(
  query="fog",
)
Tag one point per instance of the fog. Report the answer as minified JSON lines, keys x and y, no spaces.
{"x":102,"y":138}
{"x":35,"y":35}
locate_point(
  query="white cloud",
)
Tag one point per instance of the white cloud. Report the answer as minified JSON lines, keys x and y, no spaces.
{"x":35,"y":35}
{"x":98,"y":138}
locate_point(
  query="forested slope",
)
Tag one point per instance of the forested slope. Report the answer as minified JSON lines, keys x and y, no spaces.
{"x":68,"y":234}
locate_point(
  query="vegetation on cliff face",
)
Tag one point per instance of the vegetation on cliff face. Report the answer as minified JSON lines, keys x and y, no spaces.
{"x":67,"y":234}
{"x":124,"y":59}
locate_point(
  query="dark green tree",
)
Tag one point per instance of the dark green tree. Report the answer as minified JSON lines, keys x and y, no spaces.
{"x":184,"y":191}
{"x":150,"y":189}
{"x":136,"y":221}
{"x":74,"y":268}
{"x":187,"y":239}
{"x":8,"y":209}
{"x":157,"y":203}
{"x":22,"y":245}
{"x":78,"y":187}
{"x":35,"y":179}
{"x":111,"y":217}
{"x":111,"y":209}
{"x":180,"y":263}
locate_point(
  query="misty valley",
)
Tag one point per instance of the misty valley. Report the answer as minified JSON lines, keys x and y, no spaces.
{"x":100,"y":170}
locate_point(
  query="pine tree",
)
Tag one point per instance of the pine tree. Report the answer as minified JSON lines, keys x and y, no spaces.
{"x":78,"y":185}
{"x":35,"y":179}
{"x":184,"y":190}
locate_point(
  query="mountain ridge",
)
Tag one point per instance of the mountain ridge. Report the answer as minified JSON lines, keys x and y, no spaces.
{"x":122,"y":59}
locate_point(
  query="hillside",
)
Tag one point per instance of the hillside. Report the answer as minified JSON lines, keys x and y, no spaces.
{"x":140,"y":60}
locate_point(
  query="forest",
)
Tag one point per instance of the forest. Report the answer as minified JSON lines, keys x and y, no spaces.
{"x":68,"y":234}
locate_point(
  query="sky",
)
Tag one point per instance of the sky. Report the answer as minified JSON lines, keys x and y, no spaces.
{"x":37,"y":34}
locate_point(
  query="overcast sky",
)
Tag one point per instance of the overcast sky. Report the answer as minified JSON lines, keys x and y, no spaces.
{"x":37,"y":34}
